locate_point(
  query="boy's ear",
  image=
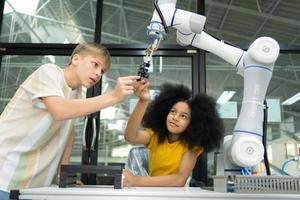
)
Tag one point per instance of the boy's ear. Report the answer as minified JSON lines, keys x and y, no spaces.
{"x":75,"y":59}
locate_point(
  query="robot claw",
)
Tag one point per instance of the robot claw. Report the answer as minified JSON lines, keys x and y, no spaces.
{"x":144,"y":70}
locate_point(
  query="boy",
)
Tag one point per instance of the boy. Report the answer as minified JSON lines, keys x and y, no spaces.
{"x":36,"y":124}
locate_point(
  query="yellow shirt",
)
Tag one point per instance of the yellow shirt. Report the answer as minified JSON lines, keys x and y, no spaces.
{"x":165,"y":158}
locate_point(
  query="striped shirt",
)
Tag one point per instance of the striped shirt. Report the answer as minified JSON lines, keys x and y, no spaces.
{"x":31,"y":142}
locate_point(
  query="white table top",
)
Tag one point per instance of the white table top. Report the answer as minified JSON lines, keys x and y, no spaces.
{"x":134,"y":193}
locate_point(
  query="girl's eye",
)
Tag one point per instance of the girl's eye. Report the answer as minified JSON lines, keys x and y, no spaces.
{"x":172,"y":111}
{"x":184,"y":117}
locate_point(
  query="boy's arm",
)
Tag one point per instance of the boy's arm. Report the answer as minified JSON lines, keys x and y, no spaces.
{"x":65,"y":159}
{"x":62,"y":109}
{"x":68,"y":149}
{"x":132,"y":134}
{"x":175,"y":180}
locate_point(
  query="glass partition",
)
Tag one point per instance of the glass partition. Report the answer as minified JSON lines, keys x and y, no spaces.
{"x":48,"y":21}
{"x":241,"y":22}
{"x":126,"y":21}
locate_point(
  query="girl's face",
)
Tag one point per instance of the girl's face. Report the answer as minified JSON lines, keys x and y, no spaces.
{"x":178,"y":118}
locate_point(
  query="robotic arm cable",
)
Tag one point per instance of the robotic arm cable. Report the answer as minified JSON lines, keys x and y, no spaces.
{"x":264,"y":139}
{"x":161,"y":16}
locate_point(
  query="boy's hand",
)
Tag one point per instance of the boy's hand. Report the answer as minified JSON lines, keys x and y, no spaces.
{"x":141,"y":90}
{"x":125,"y":86}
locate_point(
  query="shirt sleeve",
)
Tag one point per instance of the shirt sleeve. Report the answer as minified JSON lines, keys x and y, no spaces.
{"x":45,"y":81}
{"x":198,"y":150}
{"x":151,"y":133}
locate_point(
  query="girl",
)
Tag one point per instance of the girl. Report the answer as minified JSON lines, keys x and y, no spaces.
{"x":178,"y":128}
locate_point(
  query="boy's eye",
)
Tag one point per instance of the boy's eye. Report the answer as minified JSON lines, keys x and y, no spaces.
{"x":95,"y":64}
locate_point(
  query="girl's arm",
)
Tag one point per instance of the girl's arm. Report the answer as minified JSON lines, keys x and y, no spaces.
{"x":132,"y":134}
{"x":175,"y":180}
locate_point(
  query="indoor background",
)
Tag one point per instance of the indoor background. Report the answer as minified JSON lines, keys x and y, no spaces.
{"x":34,"y":32}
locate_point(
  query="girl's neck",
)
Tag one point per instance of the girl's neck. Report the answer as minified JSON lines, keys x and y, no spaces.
{"x":173,"y":138}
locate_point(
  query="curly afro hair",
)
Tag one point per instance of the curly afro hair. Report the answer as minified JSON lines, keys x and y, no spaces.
{"x":206,"y":128}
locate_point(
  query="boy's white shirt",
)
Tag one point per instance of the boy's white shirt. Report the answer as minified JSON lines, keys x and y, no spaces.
{"x":31,"y":142}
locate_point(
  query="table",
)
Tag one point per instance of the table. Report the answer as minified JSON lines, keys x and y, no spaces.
{"x":135,"y":193}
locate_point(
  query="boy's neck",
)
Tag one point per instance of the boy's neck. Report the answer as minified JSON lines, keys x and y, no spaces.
{"x":70,"y":77}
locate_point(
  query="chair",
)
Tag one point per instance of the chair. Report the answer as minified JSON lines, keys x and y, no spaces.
{"x":137,"y":161}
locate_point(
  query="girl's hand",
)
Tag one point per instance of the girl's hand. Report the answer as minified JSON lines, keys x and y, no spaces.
{"x":141,"y":90}
{"x":128,"y":178}
{"x":125,"y":86}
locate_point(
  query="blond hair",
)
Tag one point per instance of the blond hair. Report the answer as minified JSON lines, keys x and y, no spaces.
{"x":95,"y":49}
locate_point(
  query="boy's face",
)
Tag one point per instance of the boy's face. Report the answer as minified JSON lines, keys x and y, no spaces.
{"x":89,"y":69}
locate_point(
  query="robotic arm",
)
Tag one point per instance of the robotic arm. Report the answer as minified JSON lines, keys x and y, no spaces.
{"x":244,"y":148}
{"x":167,"y":15}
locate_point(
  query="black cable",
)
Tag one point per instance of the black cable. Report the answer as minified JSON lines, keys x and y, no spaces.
{"x":161,"y":17}
{"x":266,"y":160}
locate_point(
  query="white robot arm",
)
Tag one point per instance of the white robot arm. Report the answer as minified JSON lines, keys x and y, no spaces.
{"x":167,"y":15}
{"x":256,"y":65}
{"x":244,"y":148}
